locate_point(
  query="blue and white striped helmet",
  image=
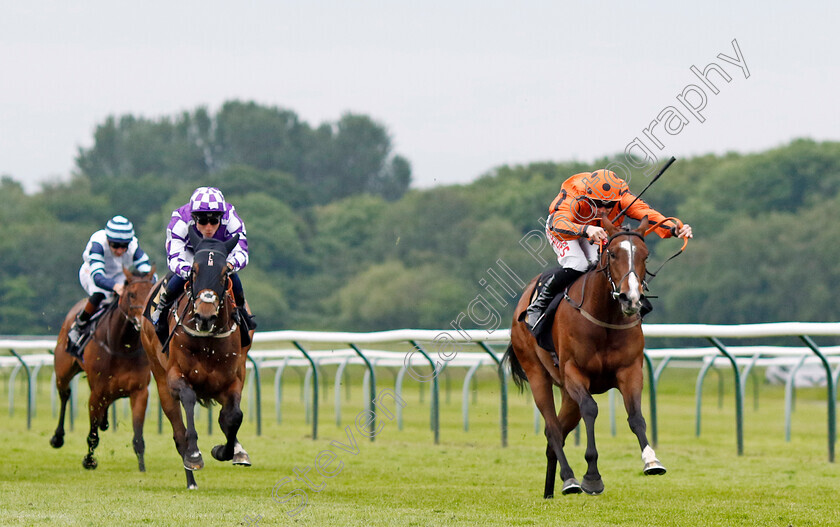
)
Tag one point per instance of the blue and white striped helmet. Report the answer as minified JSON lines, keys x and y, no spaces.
{"x":207,"y":199}
{"x":119,"y":230}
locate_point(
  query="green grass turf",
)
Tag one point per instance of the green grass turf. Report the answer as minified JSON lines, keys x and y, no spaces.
{"x":404,"y":479}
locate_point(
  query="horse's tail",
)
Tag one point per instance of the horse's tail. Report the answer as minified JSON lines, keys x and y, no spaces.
{"x":516,"y":371}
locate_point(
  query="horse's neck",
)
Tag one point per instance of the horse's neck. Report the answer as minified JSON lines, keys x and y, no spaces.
{"x":118,"y":331}
{"x":598,"y":300}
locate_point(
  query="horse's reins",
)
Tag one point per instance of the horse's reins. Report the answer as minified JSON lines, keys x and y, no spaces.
{"x":685,"y":243}
{"x":180,"y":319}
{"x":613,"y":293}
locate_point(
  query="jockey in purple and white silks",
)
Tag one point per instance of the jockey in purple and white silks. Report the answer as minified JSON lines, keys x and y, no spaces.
{"x":101,"y":274}
{"x":210,"y":216}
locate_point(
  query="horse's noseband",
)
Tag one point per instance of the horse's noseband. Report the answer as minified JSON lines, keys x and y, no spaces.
{"x":208,"y":297}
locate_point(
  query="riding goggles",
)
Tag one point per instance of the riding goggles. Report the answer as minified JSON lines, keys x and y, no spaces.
{"x":602,"y":203}
{"x":205,"y":218}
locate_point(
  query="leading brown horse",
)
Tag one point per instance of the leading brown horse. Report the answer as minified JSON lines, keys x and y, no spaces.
{"x":598,"y":337}
{"x":204,"y":359}
{"x":115,"y":364}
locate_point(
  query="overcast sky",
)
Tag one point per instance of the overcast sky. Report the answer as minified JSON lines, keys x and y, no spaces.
{"x":462,"y":86}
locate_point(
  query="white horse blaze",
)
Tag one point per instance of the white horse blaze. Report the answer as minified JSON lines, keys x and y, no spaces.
{"x":633,"y":285}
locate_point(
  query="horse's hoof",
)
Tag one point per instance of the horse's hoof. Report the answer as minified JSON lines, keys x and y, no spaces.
{"x":142,"y":466}
{"x":241,"y":458}
{"x":89,"y":462}
{"x":654,"y":468}
{"x":192,"y":487}
{"x":571,"y":486}
{"x":593,"y":487}
{"x":218,"y":453}
{"x":57,"y":441}
{"x":103,"y":426}
{"x":194,"y":461}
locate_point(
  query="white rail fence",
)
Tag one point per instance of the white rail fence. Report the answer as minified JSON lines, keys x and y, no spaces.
{"x":428,"y":355}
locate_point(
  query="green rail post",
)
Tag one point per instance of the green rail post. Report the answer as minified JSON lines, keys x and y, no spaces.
{"x":435,"y":417}
{"x":28,"y":389}
{"x":372,"y":393}
{"x":314,"y":390}
{"x":739,"y":401}
{"x":654,"y":433}
{"x":829,"y":381}
{"x":503,"y":408}
{"x":698,"y":392}
{"x":259,"y":397}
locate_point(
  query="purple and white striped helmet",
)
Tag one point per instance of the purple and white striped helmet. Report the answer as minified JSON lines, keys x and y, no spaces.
{"x":207,"y":199}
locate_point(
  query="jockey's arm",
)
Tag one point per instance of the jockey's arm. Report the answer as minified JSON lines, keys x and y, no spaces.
{"x":176,"y":249}
{"x":640,"y":209}
{"x":238,"y":257}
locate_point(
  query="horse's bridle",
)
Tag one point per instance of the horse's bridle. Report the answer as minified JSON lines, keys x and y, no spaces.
{"x":616,"y":288}
{"x":135,"y":321}
{"x":206,"y":297}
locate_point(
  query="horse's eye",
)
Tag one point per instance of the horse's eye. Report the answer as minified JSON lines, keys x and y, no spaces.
{"x":612,"y":255}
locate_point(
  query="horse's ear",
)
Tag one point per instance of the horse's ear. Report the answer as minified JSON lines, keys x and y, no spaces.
{"x":608,"y":225}
{"x":643,"y":226}
{"x":194,"y":237}
{"x":153,"y":270}
{"x":230,"y":244}
{"x":127,"y":273}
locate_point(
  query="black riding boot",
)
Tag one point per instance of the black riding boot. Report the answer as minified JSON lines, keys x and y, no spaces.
{"x":162,"y":314}
{"x":646,"y":308}
{"x":77,"y":330}
{"x":244,"y":318}
{"x":555,"y":283}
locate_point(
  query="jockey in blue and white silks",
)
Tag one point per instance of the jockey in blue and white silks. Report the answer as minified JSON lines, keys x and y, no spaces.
{"x":210,"y":216}
{"x":101,"y":274}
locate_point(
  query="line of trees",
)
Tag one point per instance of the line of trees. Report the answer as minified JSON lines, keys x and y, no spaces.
{"x":339,"y":241}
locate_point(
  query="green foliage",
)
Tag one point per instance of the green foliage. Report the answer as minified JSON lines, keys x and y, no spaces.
{"x":389,"y":295}
{"x":336,"y":242}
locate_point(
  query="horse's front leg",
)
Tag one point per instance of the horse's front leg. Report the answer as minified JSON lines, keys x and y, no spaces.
{"x":139,"y":400}
{"x":183,"y":392}
{"x":65,"y":370}
{"x":630,"y":381}
{"x":577,"y":386}
{"x":98,"y":408}
{"x":173,"y":414}
{"x":541,"y":388}
{"x":230,"y":419}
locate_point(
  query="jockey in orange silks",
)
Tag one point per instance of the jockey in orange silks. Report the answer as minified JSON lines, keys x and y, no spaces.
{"x":574,"y":229}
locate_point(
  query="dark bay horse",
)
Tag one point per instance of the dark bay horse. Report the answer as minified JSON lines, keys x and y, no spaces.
{"x":204,"y":359}
{"x":598,"y":337}
{"x":115,"y":364}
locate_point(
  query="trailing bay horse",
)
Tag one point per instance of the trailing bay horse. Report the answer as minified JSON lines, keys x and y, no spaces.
{"x":115,"y":364}
{"x":598,"y":337}
{"x":204,"y":359}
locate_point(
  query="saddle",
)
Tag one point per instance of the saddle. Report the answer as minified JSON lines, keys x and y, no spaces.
{"x":92,"y":325}
{"x":542,"y":332}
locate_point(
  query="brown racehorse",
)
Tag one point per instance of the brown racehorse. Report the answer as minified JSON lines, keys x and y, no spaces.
{"x":204,"y":359}
{"x":115,"y":364}
{"x":598,"y":337}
